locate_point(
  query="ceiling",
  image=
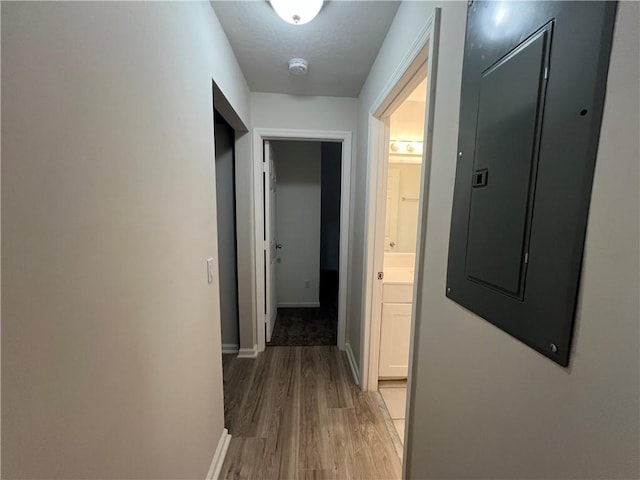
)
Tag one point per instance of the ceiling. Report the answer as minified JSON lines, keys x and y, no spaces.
{"x":340,"y":45}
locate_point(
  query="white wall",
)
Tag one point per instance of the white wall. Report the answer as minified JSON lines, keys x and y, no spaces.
{"x":409,"y":20}
{"x":407,"y":122}
{"x":226,"y":216}
{"x":485,"y":405}
{"x":273,"y":110}
{"x":298,"y":222}
{"x":111,"y":335}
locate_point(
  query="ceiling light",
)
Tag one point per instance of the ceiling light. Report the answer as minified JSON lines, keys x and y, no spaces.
{"x":297,"y":12}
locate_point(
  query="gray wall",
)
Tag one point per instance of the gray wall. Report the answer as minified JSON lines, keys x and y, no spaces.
{"x":298,"y":222}
{"x":483,"y":404}
{"x":330,"y":215}
{"x":110,"y":333}
{"x":225,"y":201}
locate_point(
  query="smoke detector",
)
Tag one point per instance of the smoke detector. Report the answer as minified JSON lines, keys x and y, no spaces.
{"x":298,"y":66}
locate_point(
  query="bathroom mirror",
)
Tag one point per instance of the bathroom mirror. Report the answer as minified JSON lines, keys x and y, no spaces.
{"x":404,"y":173}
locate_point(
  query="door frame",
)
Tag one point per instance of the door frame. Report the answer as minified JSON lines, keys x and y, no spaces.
{"x":343,"y":137}
{"x":422,"y":56}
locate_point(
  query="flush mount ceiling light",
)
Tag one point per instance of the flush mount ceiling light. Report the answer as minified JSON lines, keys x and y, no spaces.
{"x":297,"y":12}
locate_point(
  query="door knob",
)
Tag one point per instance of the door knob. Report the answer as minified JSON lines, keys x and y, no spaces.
{"x":278,"y":245}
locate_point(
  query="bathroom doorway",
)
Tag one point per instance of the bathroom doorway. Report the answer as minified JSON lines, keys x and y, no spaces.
{"x":400,"y":143}
{"x":401,"y":204}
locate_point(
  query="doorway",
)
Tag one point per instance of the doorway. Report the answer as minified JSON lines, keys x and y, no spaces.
{"x":401,"y":126}
{"x":303,"y":210}
{"x":266,"y":176}
{"x":403,"y":162}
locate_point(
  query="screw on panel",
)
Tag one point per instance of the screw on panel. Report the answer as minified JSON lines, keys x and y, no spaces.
{"x":554,"y":349}
{"x":448,"y":290}
{"x":459,"y":154}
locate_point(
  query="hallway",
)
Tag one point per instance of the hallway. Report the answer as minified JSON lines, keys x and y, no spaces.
{"x":294,"y":412}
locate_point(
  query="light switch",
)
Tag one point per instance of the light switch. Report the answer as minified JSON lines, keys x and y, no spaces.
{"x":210,"y":270}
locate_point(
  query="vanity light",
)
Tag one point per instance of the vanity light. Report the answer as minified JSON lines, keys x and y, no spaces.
{"x":398,"y":147}
{"x":297,"y":12}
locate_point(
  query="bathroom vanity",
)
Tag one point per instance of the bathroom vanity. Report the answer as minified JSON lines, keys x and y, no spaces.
{"x":397,"y":304}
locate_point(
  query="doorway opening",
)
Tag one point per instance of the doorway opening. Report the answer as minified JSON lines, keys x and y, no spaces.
{"x":296,"y":282}
{"x":303,"y":206}
{"x":403,"y":162}
{"x":401,"y":126}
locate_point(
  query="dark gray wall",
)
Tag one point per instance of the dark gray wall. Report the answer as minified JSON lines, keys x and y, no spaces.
{"x":330,"y":210}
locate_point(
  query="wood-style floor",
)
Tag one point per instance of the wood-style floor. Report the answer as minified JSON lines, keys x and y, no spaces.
{"x":295,"y":413}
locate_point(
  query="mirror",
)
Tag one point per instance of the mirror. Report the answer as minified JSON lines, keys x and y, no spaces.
{"x":404,"y":172}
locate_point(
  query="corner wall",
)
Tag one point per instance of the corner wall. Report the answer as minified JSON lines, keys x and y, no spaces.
{"x":484,"y":405}
{"x":111,"y":362}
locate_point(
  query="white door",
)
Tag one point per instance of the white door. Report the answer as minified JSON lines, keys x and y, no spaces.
{"x":395,"y":335}
{"x":269,"y":190}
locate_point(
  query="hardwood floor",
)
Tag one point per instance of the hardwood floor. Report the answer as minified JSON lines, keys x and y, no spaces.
{"x":294,"y":413}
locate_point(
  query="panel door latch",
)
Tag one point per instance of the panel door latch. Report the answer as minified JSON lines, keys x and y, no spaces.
{"x":480,"y":178}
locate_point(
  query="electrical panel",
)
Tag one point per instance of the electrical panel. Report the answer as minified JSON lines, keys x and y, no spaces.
{"x":533,"y":87}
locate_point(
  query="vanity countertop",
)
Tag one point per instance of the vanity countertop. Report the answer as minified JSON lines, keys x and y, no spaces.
{"x":398,"y":275}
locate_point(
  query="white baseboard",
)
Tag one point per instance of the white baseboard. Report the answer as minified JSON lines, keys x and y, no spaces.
{"x":248,"y":352}
{"x":230,"y":348}
{"x":299,"y":305}
{"x":219,"y":455}
{"x":352,"y":363}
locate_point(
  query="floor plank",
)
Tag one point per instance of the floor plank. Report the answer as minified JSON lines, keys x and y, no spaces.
{"x":295,"y":413}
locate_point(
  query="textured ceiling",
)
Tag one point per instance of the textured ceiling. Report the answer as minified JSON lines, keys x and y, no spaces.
{"x":340,"y":45}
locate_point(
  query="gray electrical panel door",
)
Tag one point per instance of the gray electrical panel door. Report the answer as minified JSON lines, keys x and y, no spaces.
{"x":533,"y":86}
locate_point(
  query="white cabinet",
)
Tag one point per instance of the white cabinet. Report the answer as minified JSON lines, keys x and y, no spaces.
{"x":395,"y":336}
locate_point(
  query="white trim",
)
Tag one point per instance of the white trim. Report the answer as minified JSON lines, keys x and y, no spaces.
{"x":230,"y":348}
{"x":385,"y":99}
{"x":352,"y":364}
{"x":259,"y":135}
{"x":219,"y":456}
{"x":248,"y":352}
{"x":424,"y":48}
{"x":299,"y":305}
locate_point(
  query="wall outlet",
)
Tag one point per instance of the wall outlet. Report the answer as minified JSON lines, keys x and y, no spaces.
{"x":210,"y":270}
{"x":307,"y":284}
